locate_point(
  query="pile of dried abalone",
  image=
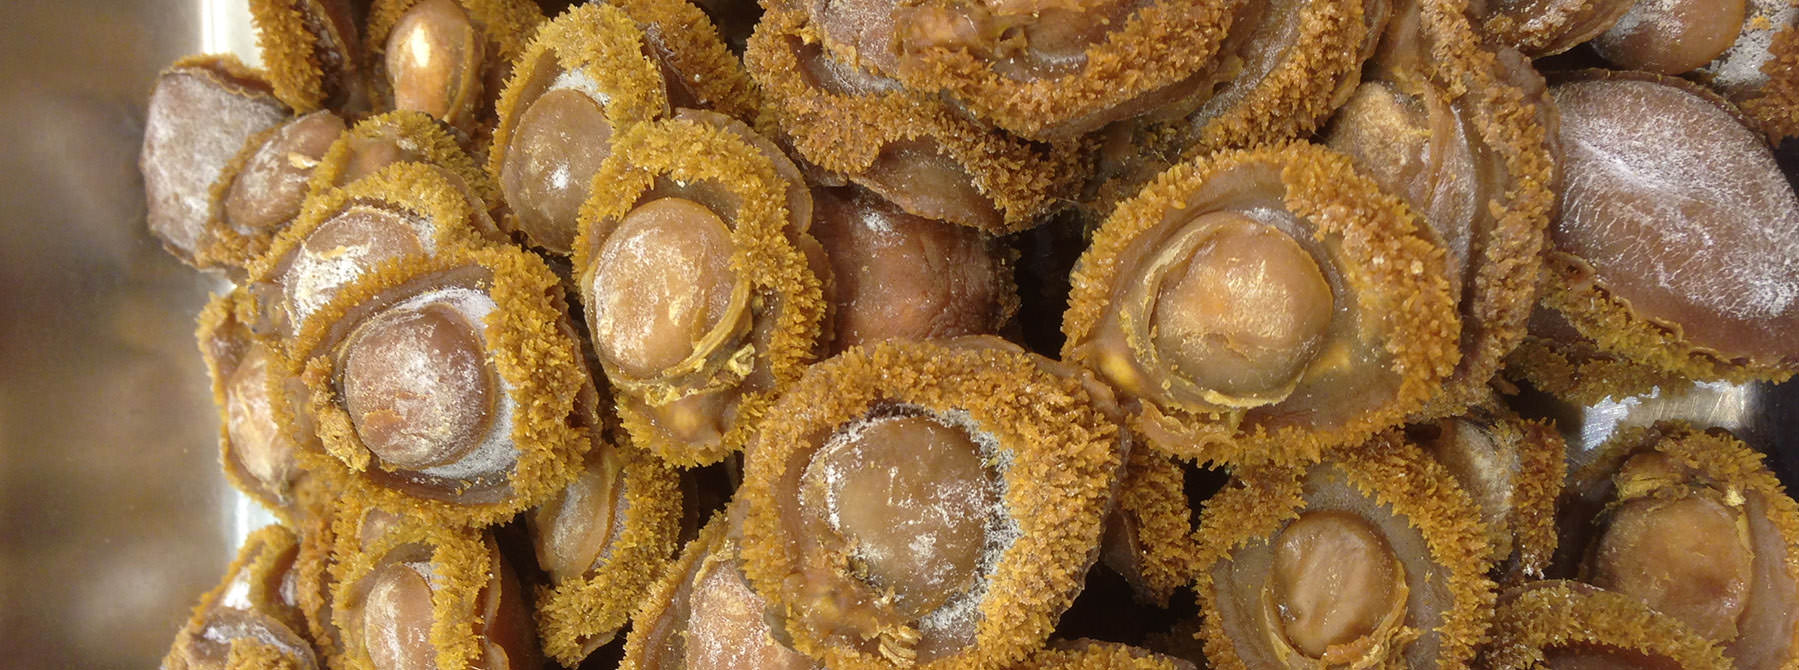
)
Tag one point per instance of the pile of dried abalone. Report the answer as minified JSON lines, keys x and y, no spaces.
{"x":882,"y":333}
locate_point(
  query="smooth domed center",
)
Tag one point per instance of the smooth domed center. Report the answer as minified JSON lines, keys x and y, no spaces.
{"x":416,"y":383}
{"x":1334,"y":581}
{"x":260,"y":445}
{"x":663,"y":281}
{"x":912,"y":497}
{"x":1246,"y":312}
{"x":572,"y":529}
{"x":396,"y":620}
{"x":267,"y":192}
{"x":434,"y":59}
{"x":1672,"y":36}
{"x":561,"y":140}
{"x":344,"y":247}
{"x":1688,"y":558}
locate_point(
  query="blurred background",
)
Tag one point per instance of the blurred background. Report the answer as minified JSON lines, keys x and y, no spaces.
{"x":114,"y":516}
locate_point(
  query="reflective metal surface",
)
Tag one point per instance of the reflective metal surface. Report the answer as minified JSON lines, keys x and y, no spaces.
{"x":113,"y":514}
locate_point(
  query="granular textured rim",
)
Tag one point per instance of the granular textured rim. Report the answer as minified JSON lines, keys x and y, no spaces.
{"x":1400,"y":275}
{"x":661,"y":594}
{"x":846,"y":134}
{"x":290,"y":52}
{"x":1572,"y":288}
{"x":1063,"y":462}
{"x":1775,"y":106}
{"x":1085,"y":654}
{"x":1521,"y":130}
{"x":1542,"y":467}
{"x":423,"y":134}
{"x":222,"y":245}
{"x":462,"y":559}
{"x":1310,"y":83}
{"x":1545,"y":614}
{"x":529,"y":344}
{"x":694,"y":48}
{"x":576,"y":615}
{"x":414,"y":187}
{"x":1129,"y":63}
{"x":602,"y":43}
{"x":1151,"y":496}
{"x":780,"y":278}
{"x":1394,"y":474}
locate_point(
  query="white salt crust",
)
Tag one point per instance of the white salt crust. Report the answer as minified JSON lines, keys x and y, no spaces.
{"x":312,"y":280}
{"x":496,"y":453}
{"x":1739,"y":70}
{"x":236,"y":629}
{"x":955,"y":619}
{"x":1697,"y":167}
{"x":185,"y":156}
{"x":577,"y":80}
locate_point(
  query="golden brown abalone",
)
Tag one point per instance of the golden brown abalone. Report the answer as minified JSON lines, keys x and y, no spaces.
{"x":250,"y":621}
{"x":583,"y":79}
{"x":1677,"y":244}
{"x":930,"y":504}
{"x":700,"y":282}
{"x":1560,"y":624}
{"x":909,"y":148}
{"x":1263,"y":305}
{"x":450,"y":387}
{"x":603,"y":541}
{"x":313,"y":52}
{"x":1692,"y":524}
{"x":1372,"y":558}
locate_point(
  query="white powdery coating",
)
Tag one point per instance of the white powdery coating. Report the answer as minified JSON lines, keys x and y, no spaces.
{"x":1739,"y":70}
{"x":1643,"y":14}
{"x":1691,"y":177}
{"x":956,"y":618}
{"x":184,"y":152}
{"x":496,"y":453}
{"x":961,"y":614}
{"x":577,"y":80}
{"x":315,"y":278}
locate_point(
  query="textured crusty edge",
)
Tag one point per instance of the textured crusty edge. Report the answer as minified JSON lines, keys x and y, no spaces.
{"x":1086,"y":654}
{"x":425,"y":135}
{"x":1571,"y":287}
{"x":1139,"y":58}
{"x":1542,"y":468}
{"x":462,"y":561}
{"x":847,"y":133}
{"x":1545,"y":614}
{"x":255,"y":555}
{"x":695,"y":49}
{"x":780,"y":277}
{"x":577,"y":614}
{"x":1408,"y":287}
{"x":1393,"y":473}
{"x":605,"y":45}
{"x":1151,"y":496}
{"x":1064,"y":463}
{"x":662,"y":593}
{"x":289,"y":53}
{"x":1775,"y":106}
{"x":1313,"y":79}
{"x":529,"y":348}
{"x":1512,"y":126}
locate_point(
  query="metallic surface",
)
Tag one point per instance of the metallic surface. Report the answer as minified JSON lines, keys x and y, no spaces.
{"x":113,"y":514}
